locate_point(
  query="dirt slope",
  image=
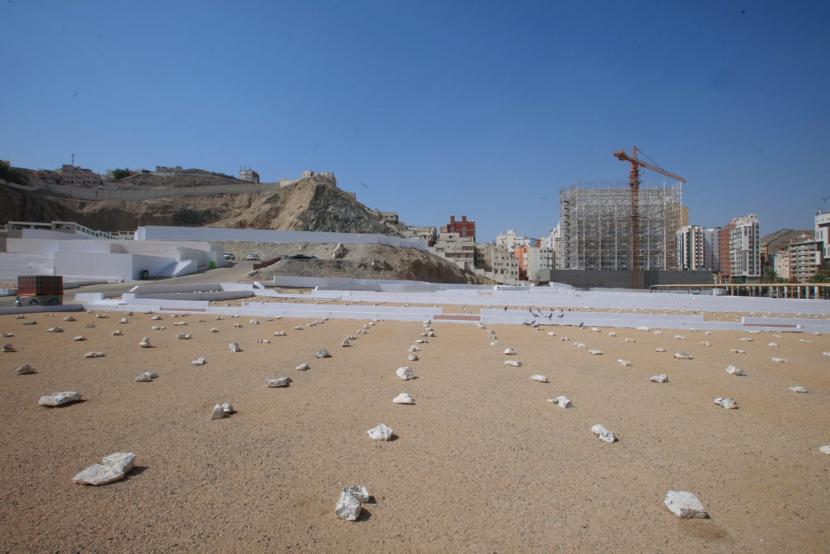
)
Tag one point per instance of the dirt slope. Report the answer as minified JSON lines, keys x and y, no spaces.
{"x":312,"y":204}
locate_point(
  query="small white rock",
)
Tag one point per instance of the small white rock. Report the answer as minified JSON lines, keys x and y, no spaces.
{"x":595,"y":352}
{"x":279,"y":382}
{"x":403,"y":398}
{"x":797,"y":388}
{"x":780,"y":360}
{"x":94,"y":355}
{"x":624,"y":363}
{"x":303,"y":367}
{"x":738,"y":351}
{"x":659,"y":349}
{"x":737,"y":372}
{"x":603,"y":434}
{"x":539,"y":378}
{"x":509,"y":352}
{"x":685,"y":505}
{"x":683,"y":356}
{"x":112,"y":468}
{"x":561,"y":401}
{"x":405,"y":373}
{"x":59,"y":398}
{"x":727,"y":403}
{"x":199,"y":361}
{"x":25,"y":369}
{"x":234,"y":347}
{"x":660,"y":378}
{"x":513,"y":363}
{"x":146,"y":377}
{"x":348,"y":507}
{"x":380,"y":433}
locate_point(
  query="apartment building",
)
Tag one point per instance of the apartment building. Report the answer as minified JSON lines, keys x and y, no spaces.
{"x":744,"y":247}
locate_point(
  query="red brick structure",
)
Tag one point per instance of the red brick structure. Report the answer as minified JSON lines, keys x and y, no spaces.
{"x":464,"y":228}
{"x":723,"y":252}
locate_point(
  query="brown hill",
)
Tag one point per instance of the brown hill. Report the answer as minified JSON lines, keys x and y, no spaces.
{"x":312,"y":204}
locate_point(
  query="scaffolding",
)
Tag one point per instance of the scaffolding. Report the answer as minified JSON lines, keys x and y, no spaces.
{"x":596,"y":225}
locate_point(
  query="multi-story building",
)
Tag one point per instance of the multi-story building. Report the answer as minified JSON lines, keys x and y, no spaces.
{"x":690,"y":248}
{"x":426,"y":233}
{"x":711,"y":249}
{"x":510,"y":240}
{"x":744,"y":248}
{"x":539,"y":262}
{"x":822,"y":236}
{"x":457,"y":249}
{"x":498,"y":264}
{"x":805,"y":259}
{"x":464,"y":228}
{"x":723,"y":251}
{"x":248,"y":174}
{"x":781,"y":264}
{"x":73,"y":175}
{"x":596,"y":226}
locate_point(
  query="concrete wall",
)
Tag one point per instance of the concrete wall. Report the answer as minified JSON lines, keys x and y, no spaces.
{"x":158,"y":232}
{"x":592,"y":278}
{"x":94,"y":264}
{"x":13,"y":264}
{"x":49,"y":234}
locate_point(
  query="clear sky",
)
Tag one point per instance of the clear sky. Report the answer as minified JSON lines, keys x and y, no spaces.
{"x":435,"y":108}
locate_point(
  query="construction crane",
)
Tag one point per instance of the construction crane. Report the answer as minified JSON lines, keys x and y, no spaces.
{"x":634,"y":181}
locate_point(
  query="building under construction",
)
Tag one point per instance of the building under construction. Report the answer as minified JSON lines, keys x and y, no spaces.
{"x":596,"y":219}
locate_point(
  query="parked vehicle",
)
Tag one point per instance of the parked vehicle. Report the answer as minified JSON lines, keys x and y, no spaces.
{"x":252,"y":258}
{"x":229,"y":256}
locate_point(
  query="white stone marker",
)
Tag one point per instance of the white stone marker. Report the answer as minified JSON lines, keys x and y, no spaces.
{"x":147,"y":377}
{"x":25,"y":369}
{"x":780,"y":360}
{"x":624,"y":363}
{"x":737,"y":372}
{"x":59,"y":398}
{"x":539,"y":378}
{"x":562,"y":401}
{"x":798,"y":388}
{"x":660,"y":378}
{"x":595,"y":352}
{"x":94,"y":355}
{"x":349,"y":505}
{"x":199,"y":361}
{"x":685,"y":505}
{"x":659,"y":349}
{"x":405,"y":373}
{"x":403,"y":398}
{"x":513,"y":363}
{"x":279,"y":382}
{"x":683,"y":356}
{"x":380,"y":433}
{"x":727,"y":403}
{"x":303,"y":367}
{"x":603,"y":434}
{"x":234,"y":347}
{"x":509,"y":352}
{"x":112,"y":468}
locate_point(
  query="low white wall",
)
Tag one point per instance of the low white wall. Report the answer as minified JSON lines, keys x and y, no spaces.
{"x":159,"y":232}
{"x":49,"y":234}
{"x":93,"y":264}
{"x":13,"y":264}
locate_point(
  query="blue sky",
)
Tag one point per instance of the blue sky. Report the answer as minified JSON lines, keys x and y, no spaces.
{"x":435,"y":108}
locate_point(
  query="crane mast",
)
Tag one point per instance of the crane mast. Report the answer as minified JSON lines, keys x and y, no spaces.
{"x":634,"y":183}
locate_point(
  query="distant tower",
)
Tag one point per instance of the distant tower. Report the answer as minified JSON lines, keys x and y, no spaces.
{"x":73,"y":158}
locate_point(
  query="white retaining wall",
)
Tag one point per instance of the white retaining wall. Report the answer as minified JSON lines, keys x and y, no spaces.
{"x":160,"y":232}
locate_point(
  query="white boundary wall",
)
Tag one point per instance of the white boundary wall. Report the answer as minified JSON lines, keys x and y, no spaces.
{"x":160,"y":232}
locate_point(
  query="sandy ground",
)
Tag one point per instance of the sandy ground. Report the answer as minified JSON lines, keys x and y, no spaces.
{"x":482,"y":463}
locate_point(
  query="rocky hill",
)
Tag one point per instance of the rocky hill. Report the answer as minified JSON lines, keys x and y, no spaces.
{"x":355,"y":261}
{"x":312,"y":204}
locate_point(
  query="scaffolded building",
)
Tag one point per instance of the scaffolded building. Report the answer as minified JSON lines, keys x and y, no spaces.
{"x":595,"y":221}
